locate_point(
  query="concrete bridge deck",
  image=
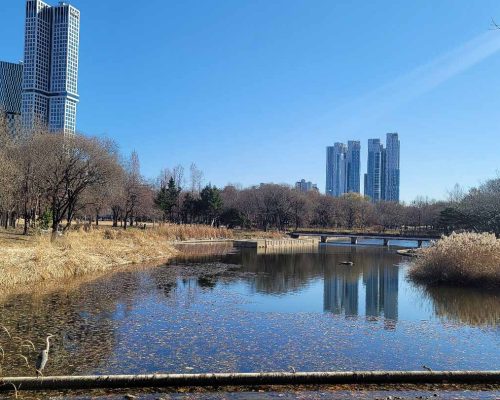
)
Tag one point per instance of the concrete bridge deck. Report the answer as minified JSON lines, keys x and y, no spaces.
{"x":354,"y":237}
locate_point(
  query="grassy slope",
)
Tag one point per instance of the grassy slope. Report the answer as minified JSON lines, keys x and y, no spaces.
{"x":27,"y":261}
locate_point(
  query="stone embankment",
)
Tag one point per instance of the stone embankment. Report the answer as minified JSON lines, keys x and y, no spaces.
{"x":277,"y":243}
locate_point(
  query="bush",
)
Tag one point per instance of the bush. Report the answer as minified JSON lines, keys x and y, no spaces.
{"x":462,"y":259}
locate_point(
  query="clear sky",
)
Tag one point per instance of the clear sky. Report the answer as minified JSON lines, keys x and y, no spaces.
{"x":253,"y":91}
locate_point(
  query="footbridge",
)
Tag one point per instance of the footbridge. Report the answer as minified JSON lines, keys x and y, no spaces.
{"x":354,"y":237}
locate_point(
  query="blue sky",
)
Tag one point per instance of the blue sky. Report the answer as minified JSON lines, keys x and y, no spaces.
{"x":253,"y":91}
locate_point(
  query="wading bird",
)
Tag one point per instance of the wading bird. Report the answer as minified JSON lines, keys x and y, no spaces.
{"x":43,"y":357}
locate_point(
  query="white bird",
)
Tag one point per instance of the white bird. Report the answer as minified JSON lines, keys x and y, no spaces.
{"x":43,"y":357}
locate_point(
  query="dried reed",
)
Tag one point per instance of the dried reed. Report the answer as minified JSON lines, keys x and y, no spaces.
{"x":461,"y":259}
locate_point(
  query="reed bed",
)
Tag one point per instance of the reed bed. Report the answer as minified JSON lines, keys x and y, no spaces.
{"x":176,"y":232}
{"x":471,"y":259}
{"x":92,"y":251}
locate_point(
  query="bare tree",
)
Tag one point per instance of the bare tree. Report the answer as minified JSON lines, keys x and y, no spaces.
{"x":196,"y":179}
{"x":68,"y":166}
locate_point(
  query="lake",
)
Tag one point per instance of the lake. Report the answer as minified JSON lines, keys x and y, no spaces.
{"x":256,"y":311}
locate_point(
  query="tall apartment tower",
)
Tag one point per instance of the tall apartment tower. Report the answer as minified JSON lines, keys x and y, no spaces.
{"x":336,"y":169}
{"x":11,"y":77}
{"x":353,"y":166}
{"x":391,"y":172}
{"x":373,"y":185}
{"x":329,"y":171}
{"x":50,"y":77}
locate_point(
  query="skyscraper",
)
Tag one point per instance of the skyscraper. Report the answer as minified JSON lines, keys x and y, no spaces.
{"x":11,"y":76}
{"x":373,"y":186}
{"x":336,"y":169}
{"x":343,"y":168}
{"x":391,"y":173}
{"x":50,"y":78}
{"x":353,"y":166}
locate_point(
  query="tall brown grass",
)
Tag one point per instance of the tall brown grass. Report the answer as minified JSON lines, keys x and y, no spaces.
{"x":461,"y":259}
{"x":187,"y":232}
{"x":83,"y":252}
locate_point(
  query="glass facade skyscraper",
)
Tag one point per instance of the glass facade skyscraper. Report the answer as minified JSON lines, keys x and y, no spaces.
{"x":382,"y":177}
{"x":336,"y":169}
{"x":11,"y":76}
{"x":353,"y":166}
{"x":391,"y":181}
{"x":50,"y":78}
{"x":343,"y":164}
{"x":373,"y":187}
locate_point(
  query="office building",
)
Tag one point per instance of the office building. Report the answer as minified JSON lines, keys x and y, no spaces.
{"x":11,"y":76}
{"x":391,"y":170}
{"x":50,"y":77}
{"x":305,"y":186}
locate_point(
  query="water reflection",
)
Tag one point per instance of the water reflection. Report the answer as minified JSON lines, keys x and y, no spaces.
{"x":370,"y":287}
{"x":382,"y":285}
{"x":374,"y":275}
{"x":82,"y":322}
{"x":193,"y":315}
{"x":472,"y":306}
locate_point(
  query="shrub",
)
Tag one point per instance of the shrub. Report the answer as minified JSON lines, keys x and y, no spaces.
{"x":461,"y":258}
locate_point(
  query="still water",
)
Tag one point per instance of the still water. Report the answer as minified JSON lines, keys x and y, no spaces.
{"x":252,"y":311}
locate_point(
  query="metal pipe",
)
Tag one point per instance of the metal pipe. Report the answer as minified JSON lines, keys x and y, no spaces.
{"x":248,"y":379}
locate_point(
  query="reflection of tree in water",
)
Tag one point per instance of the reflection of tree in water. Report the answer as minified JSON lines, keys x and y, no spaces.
{"x":81,"y":320}
{"x":465,"y":305}
{"x":280,"y":273}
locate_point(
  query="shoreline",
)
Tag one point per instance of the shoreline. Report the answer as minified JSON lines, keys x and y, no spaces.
{"x":37,"y":260}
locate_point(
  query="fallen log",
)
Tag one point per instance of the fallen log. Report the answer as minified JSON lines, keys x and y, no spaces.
{"x":248,"y":379}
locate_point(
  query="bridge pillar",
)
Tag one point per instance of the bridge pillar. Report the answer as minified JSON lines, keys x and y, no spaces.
{"x":386,"y":242}
{"x":354,"y":240}
{"x":420,"y":243}
{"x":323,"y":238}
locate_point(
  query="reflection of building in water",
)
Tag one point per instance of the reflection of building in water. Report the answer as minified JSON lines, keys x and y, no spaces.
{"x":382,"y":292}
{"x":340,"y":295}
{"x":381,"y":283}
{"x":391,"y":286}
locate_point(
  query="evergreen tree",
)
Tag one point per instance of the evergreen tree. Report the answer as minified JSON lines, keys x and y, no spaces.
{"x":167,"y":199}
{"x":211,"y":204}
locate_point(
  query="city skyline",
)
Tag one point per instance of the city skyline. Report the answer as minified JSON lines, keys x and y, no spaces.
{"x":260,"y":105}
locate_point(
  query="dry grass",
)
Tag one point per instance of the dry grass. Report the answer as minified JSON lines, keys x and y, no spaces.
{"x":90,"y":252}
{"x":461,"y":259}
{"x":255,"y":234}
{"x":187,"y":232}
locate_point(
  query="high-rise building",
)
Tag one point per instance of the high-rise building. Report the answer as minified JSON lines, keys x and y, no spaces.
{"x":391,"y":170}
{"x":50,"y":77}
{"x":11,"y":76}
{"x":336,"y":169}
{"x":353,"y":166}
{"x":382,"y":177}
{"x":305,"y":186}
{"x":373,"y":187}
{"x":329,"y":171}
